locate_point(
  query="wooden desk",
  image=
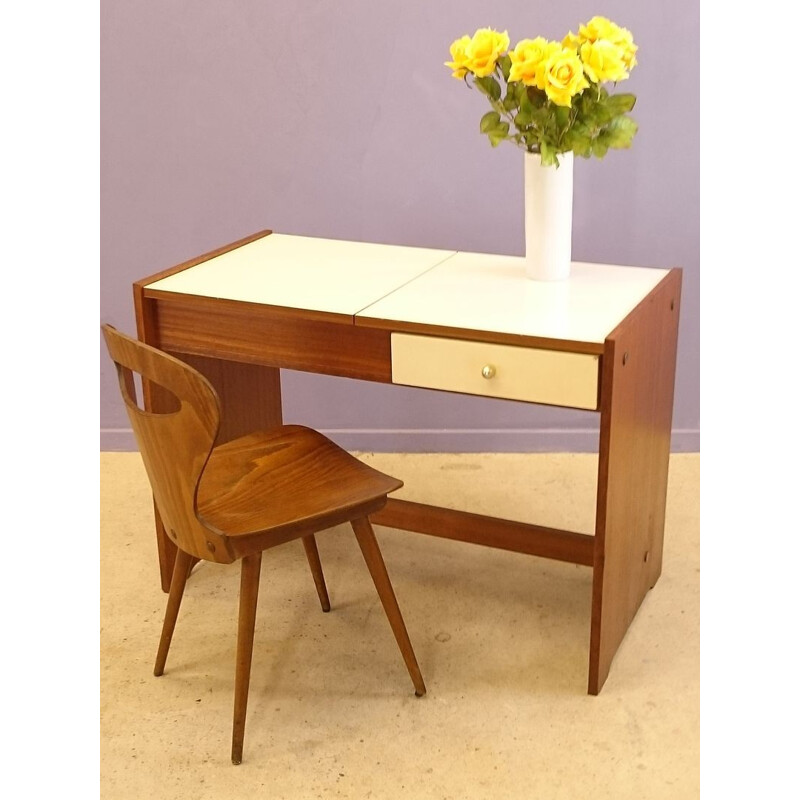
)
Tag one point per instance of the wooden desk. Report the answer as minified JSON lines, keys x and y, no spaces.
{"x":463,"y":322}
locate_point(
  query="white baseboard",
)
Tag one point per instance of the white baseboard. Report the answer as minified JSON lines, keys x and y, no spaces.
{"x":449,"y":441}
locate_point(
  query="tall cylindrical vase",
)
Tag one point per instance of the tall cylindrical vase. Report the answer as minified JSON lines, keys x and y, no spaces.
{"x":548,"y":218}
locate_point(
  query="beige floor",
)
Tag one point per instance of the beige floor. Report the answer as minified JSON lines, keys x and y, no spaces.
{"x":502,"y":640}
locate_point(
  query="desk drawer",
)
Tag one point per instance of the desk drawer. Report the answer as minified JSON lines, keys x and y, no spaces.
{"x":494,"y":370}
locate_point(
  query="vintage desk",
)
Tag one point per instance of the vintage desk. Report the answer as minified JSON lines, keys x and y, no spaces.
{"x":604,"y":340}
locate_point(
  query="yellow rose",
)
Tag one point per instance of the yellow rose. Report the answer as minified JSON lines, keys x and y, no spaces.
{"x":483,"y":50}
{"x":602,"y":61}
{"x":458,"y":52}
{"x":528,"y":59}
{"x":598,"y":28}
{"x":564,"y":78}
{"x":571,"y":41}
{"x":628,"y":49}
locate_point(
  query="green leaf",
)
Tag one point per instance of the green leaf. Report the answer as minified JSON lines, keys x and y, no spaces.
{"x":579,"y":140}
{"x":505,"y":65}
{"x":580,"y":131}
{"x":548,"y":155}
{"x":489,"y":121}
{"x":531,"y":139}
{"x":580,"y":145}
{"x":540,"y":116}
{"x":562,"y":116}
{"x":537,"y":97}
{"x":523,"y":119}
{"x":510,"y":101}
{"x":498,"y":134}
{"x":620,"y":103}
{"x":619,"y":133}
{"x":489,"y":86}
{"x":600,"y":114}
{"x":599,"y":148}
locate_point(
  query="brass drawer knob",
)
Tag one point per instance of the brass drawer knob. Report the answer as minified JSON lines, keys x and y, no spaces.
{"x":488,"y":371}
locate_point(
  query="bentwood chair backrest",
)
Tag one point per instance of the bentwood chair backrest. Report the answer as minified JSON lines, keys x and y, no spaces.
{"x":175,"y":445}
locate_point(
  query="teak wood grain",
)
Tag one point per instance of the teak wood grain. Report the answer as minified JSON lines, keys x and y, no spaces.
{"x":638,"y":378}
{"x":463,"y":526}
{"x":249,"y":394}
{"x":224,"y":501}
{"x":258,"y":334}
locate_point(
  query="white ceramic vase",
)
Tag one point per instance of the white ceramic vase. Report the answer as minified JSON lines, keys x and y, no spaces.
{"x":548,"y":218}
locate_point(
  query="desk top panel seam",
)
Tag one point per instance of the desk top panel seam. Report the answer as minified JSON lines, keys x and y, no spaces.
{"x":326,"y":275}
{"x":450,"y":254}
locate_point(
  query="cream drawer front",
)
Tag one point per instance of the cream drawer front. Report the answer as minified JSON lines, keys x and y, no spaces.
{"x":494,"y":370}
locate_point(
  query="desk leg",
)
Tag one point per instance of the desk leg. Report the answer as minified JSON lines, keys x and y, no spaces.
{"x":637,"y":387}
{"x":250,"y":397}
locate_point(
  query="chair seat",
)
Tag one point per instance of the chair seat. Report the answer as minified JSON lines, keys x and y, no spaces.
{"x":288,"y":476}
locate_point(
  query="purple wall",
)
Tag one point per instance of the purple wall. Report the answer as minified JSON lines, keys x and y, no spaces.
{"x":338,"y":119}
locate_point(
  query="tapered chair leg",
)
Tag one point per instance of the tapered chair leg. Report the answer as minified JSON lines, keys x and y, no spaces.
{"x":183,"y":565}
{"x":377,"y":568}
{"x":248,"y":600}
{"x":312,"y":554}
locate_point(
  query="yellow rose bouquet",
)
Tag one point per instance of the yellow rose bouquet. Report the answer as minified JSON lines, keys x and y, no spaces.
{"x":548,"y":97}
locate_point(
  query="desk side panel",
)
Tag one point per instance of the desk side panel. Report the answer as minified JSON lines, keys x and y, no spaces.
{"x":637,"y":388}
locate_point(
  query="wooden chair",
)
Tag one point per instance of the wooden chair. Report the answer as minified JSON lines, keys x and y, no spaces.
{"x":233,"y":501}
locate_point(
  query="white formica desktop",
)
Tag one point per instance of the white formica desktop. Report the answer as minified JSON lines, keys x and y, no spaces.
{"x":603,"y":340}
